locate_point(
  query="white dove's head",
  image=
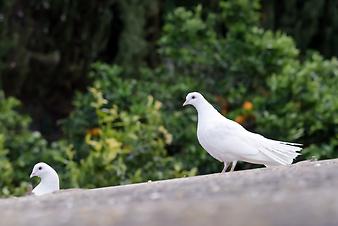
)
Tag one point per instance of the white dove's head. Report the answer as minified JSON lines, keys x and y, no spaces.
{"x":42,"y":170}
{"x":49,"y":179}
{"x":193,"y":98}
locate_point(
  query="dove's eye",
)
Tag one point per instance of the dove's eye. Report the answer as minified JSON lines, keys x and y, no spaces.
{"x":193,"y":97}
{"x":40,"y":168}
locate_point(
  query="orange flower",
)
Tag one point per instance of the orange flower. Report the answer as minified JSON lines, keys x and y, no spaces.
{"x":94,"y":131}
{"x":223,"y":103}
{"x":247,"y":105}
{"x":240,"y":119}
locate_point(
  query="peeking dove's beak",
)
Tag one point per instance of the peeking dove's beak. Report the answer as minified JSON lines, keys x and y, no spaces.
{"x":185,"y":103}
{"x":32,"y":175}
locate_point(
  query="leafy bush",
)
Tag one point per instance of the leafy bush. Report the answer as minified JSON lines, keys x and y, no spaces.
{"x":122,"y":143}
{"x":302,"y":105}
{"x":228,"y":68}
{"x":234,"y":70}
{"x":6,"y":169}
{"x":19,"y":147}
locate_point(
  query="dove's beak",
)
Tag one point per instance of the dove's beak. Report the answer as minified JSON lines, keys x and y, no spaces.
{"x":32,"y":175}
{"x":185,"y":103}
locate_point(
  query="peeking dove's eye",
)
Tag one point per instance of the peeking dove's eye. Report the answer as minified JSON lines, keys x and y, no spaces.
{"x":40,"y":168}
{"x":193,"y":97}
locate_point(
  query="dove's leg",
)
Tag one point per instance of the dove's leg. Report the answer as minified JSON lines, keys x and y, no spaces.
{"x":233,"y":165}
{"x":225,"y":167}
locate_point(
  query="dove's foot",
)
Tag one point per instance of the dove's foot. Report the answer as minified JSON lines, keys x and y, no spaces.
{"x":224,"y":168}
{"x":233,"y":165}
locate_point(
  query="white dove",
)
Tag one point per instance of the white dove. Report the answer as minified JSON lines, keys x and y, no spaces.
{"x":227,"y":141}
{"x":49,"y":179}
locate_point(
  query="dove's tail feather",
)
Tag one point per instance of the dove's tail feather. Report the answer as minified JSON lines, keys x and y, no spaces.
{"x":289,"y":143}
{"x":281,"y":153}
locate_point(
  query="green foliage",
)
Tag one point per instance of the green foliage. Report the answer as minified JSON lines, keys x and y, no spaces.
{"x":244,"y":64}
{"x":240,"y":14}
{"x":19,"y":147}
{"x":116,"y":146}
{"x":180,"y":43}
{"x":302,"y":105}
{"x":122,"y":143}
{"x":6,"y":169}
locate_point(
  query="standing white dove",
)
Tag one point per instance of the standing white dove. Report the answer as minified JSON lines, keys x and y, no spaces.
{"x":49,"y":179}
{"x":227,"y":141}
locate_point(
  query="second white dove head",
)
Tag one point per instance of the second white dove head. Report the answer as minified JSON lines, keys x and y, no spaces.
{"x":42,"y":170}
{"x":49,"y":179}
{"x":194,"y":99}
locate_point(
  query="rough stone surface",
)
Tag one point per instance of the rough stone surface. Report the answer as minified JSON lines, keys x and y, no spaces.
{"x":302,"y":194}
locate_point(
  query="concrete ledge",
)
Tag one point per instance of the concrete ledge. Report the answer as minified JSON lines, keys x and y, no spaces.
{"x":301,"y":194}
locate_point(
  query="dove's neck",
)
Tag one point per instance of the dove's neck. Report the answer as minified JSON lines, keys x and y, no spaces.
{"x":48,"y":183}
{"x":206,"y":111}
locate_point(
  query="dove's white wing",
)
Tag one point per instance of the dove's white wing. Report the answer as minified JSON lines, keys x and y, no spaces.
{"x":278,"y":152}
{"x":227,"y":140}
{"x":219,"y":137}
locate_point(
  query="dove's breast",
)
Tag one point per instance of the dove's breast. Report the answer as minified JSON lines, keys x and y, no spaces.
{"x":212,"y":141}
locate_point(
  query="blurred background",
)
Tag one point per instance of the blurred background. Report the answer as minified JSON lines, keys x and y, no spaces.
{"x":95,"y":88}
